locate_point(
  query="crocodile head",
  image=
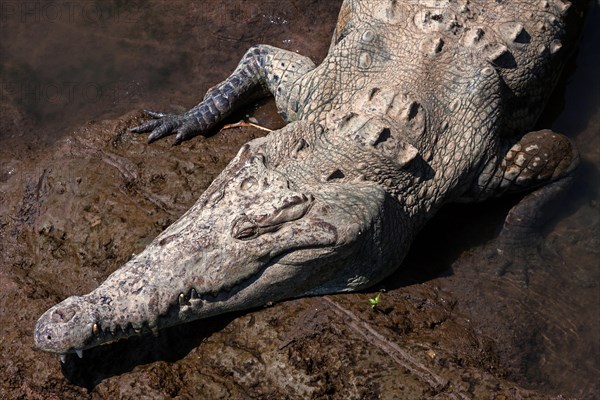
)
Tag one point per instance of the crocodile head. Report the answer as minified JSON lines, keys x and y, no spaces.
{"x":267,"y":229}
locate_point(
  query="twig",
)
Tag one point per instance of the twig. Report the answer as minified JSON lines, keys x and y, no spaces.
{"x":244,"y":123}
{"x":400,"y":356}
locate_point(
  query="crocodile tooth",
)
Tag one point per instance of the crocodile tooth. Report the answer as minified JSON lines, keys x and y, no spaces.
{"x":63,"y":358}
{"x":181,"y":299}
{"x":79,"y":353}
{"x":193,"y":294}
{"x":96,"y":329}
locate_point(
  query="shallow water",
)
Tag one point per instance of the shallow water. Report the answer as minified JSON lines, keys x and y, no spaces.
{"x":570,"y":353}
{"x":555,"y":321}
{"x":94,"y":60}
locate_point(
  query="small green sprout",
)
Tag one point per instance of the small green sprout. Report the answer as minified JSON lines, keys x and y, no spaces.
{"x":375,"y":300}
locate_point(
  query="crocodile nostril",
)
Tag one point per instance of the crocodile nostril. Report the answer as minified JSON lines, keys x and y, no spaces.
{"x":64,"y":314}
{"x":249,"y":184}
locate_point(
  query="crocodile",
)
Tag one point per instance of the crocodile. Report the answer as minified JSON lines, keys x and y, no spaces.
{"x":417,"y":104}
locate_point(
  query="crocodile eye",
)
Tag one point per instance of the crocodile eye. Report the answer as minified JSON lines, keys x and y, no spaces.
{"x":243,"y":228}
{"x":247,"y":233}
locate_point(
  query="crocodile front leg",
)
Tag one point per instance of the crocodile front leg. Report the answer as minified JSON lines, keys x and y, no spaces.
{"x":263,"y":69}
{"x":542,"y":162}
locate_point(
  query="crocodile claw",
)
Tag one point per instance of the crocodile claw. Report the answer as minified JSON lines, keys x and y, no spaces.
{"x":155,"y":114}
{"x":521,"y":259}
{"x":164,"y":124}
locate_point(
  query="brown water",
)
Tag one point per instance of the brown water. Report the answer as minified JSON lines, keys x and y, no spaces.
{"x":551,"y":329}
{"x":68,"y":62}
{"x":64,"y":63}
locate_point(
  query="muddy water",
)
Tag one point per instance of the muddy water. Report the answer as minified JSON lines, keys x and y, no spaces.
{"x":551,"y":328}
{"x":67,"y":62}
{"x":95,"y":61}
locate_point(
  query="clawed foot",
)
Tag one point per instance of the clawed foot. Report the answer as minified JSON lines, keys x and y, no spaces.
{"x":518,"y":259}
{"x":503,"y":261}
{"x":185,"y":125}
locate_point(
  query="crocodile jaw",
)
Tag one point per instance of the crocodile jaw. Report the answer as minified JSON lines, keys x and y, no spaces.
{"x":308,"y":256}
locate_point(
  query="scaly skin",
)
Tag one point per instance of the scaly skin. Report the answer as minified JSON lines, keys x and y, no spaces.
{"x":416,"y":105}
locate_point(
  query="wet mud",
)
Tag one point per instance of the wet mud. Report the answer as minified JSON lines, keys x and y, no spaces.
{"x":79,"y":194}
